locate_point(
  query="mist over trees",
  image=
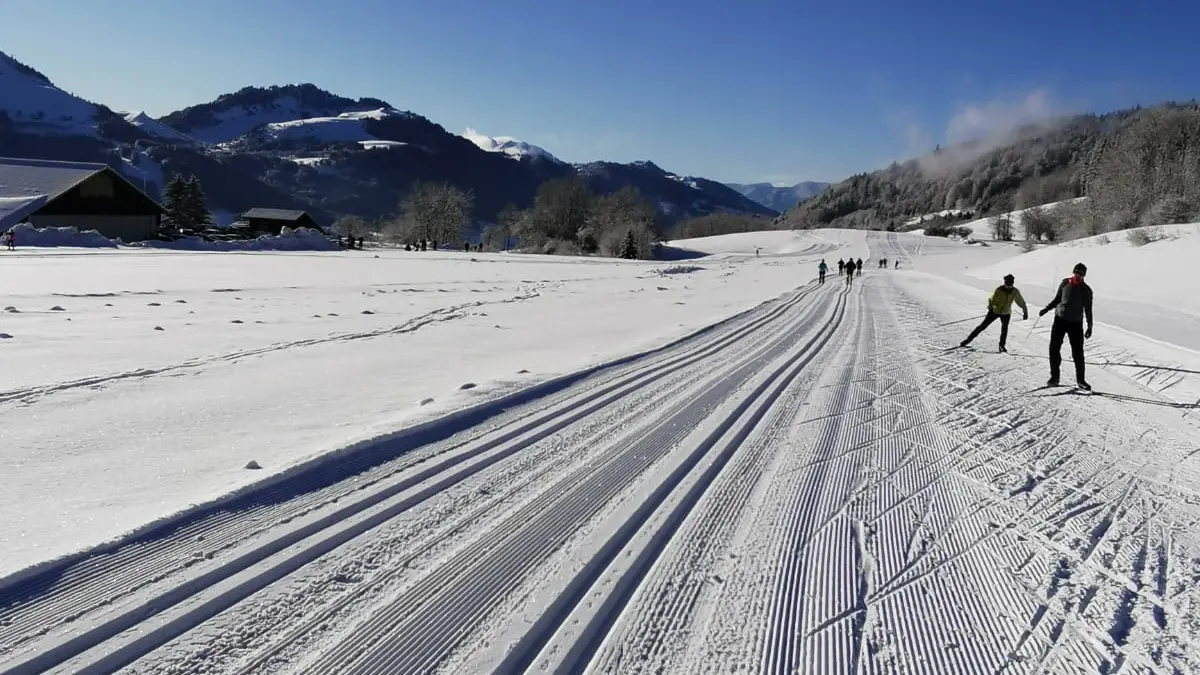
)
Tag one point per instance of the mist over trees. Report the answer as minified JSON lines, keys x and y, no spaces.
{"x":1137,"y":166}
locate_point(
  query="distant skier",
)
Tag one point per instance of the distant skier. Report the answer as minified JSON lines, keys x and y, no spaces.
{"x":897,"y":265}
{"x":858,"y":267}
{"x":849,"y":274}
{"x":841,"y":267}
{"x":821,"y":270}
{"x":1000,"y":307}
{"x":10,"y":239}
{"x":1072,"y":304}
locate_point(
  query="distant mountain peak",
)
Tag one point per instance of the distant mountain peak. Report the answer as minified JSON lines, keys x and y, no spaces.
{"x":779,"y":197}
{"x":515,"y":148}
{"x":154,"y":128}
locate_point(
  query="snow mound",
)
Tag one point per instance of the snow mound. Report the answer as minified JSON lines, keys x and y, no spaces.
{"x":300,"y":239}
{"x":35,"y":105}
{"x":507,"y":145}
{"x":1117,"y":266}
{"x":155,"y":128}
{"x":67,"y":237}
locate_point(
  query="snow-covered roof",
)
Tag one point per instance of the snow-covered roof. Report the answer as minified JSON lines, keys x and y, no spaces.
{"x":275,"y":214}
{"x":27,"y":184}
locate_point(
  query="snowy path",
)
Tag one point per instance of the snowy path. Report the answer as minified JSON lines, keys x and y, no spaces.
{"x":817,"y":485}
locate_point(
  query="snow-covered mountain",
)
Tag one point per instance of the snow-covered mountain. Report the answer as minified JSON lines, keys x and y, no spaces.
{"x":33,"y":105}
{"x":155,"y":128}
{"x":299,"y":146}
{"x":239,"y":113}
{"x":779,"y":198}
{"x":507,"y":145}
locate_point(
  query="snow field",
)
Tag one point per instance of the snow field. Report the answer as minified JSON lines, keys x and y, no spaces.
{"x":817,"y":484}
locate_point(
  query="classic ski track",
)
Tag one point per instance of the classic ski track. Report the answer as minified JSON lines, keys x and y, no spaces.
{"x":424,"y":626}
{"x":28,"y":395}
{"x":402,"y":549}
{"x":1120,"y":522}
{"x":100,"y":580}
{"x":706,"y":505}
{"x":297,"y":632}
{"x":672,"y":600}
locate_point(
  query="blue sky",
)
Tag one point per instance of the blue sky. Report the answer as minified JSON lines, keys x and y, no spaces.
{"x":754,"y":90}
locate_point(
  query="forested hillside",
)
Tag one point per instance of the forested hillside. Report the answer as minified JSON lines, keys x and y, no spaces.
{"x":1136,"y":165}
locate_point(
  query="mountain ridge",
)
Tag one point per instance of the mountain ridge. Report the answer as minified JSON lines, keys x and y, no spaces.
{"x":300,"y":146}
{"x":777,"y":197}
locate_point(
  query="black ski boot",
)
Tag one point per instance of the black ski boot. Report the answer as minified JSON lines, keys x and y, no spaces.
{"x":1082,"y":384}
{"x":1052,"y":382}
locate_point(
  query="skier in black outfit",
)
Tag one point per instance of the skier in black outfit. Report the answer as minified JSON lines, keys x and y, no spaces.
{"x":1072,"y":304}
{"x":841,"y":266}
{"x":858,"y":267}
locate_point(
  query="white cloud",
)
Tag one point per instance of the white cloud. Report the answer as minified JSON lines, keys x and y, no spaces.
{"x":979,"y":121}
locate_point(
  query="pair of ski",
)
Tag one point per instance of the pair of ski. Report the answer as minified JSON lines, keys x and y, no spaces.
{"x":1073,"y":389}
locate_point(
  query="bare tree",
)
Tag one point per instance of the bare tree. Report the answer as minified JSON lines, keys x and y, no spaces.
{"x":350,"y":226}
{"x":1040,"y":224}
{"x":1002,"y":228}
{"x":437,"y":212}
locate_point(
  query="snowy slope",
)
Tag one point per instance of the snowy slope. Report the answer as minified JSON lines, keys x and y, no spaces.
{"x":35,"y":105}
{"x":156,"y":128}
{"x":507,"y":145}
{"x":344,"y":128}
{"x":1118,"y":266}
{"x":982,"y":227}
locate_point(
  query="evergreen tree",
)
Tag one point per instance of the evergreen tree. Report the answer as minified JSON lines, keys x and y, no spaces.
{"x":629,"y":247}
{"x":174,"y":197}
{"x":195,"y":204}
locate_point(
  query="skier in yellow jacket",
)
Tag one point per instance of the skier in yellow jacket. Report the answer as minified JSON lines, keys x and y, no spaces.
{"x":1000,"y":307}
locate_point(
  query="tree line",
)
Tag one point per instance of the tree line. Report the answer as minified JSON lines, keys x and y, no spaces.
{"x":566,"y":218}
{"x":1138,"y":166}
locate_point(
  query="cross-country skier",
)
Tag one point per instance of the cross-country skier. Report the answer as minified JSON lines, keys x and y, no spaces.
{"x":1000,"y":307}
{"x":841,"y":266}
{"x":858,"y":267}
{"x":822,"y":269}
{"x":1072,"y":304}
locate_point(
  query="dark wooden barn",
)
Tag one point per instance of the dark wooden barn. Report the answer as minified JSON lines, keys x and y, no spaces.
{"x":274,"y":220}
{"x":48,"y":193}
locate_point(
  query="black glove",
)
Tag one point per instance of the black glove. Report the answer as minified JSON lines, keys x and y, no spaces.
{"x":1088,"y":333}
{"x":1043,"y":312}
{"x":1025,"y":316}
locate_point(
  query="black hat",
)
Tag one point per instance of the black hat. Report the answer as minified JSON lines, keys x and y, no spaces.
{"x":1080,"y":269}
{"x":1008,"y":278}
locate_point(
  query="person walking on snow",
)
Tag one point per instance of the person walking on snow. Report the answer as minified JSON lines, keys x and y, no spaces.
{"x":1072,"y":304}
{"x":1000,"y":307}
{"x":841,"y":266}
{"x":821,"y":270}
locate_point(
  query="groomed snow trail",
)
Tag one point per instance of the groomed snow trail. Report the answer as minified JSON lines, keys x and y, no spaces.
{"x":180,"y":577}
{"x":815,"y":486}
